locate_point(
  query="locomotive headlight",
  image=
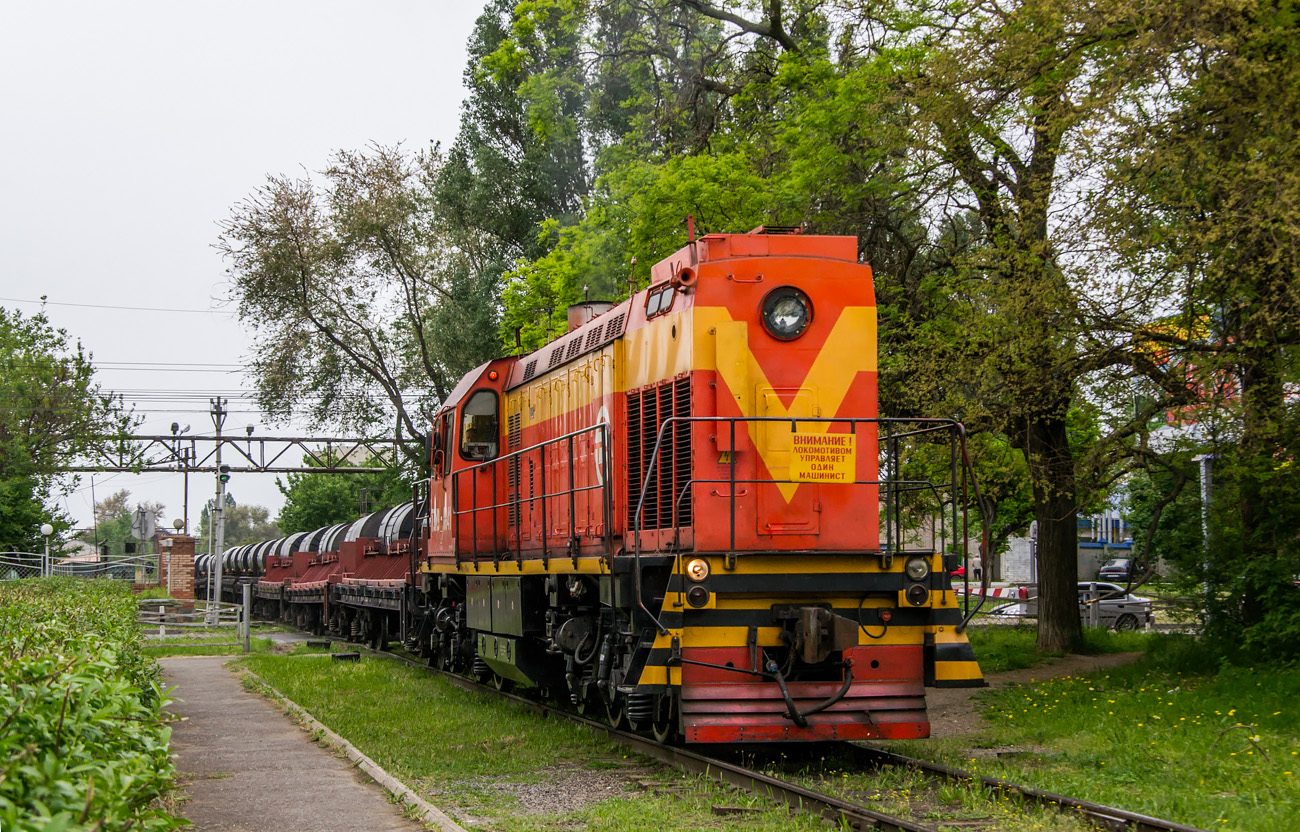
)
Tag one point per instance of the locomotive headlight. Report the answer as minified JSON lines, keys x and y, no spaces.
{"x":697,"y":570}
{"x":786,"y":313}
{"x":918,"y":568}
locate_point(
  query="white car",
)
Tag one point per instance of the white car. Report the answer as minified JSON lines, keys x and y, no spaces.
{"x":1114,"y":608}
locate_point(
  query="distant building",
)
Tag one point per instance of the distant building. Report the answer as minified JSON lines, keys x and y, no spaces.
{"x":1101,"y":537}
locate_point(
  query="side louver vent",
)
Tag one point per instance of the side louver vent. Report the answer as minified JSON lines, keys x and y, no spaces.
{"x":614,"y":328}
{"x":514,"y":427}
{"x":601,"y":333}
{"x":647,"y":409}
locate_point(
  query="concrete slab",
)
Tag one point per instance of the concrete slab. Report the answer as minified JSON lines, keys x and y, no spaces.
{"x":248,"y":768}
{"x":289,"y":638}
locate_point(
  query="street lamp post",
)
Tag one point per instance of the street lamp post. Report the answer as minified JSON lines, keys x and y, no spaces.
{"x":185,"y":458}
{"x":46,"y":530}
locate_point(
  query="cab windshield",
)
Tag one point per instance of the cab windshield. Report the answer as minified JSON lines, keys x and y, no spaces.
{"x":479,"y":427}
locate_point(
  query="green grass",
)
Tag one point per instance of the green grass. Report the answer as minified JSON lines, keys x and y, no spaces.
{"x":946,"y":806}
{"x":208,"y":645}
{"x":1171,"y":736}
{"x":207,"y":641}
{"x":1000,"y":648}
{"x":474,"y":756}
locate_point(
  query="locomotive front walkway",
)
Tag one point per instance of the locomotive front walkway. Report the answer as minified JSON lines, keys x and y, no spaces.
{"x":247,"y":768}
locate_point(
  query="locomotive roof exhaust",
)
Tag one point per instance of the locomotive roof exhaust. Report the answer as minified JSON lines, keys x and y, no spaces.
{"x":581,"y":314}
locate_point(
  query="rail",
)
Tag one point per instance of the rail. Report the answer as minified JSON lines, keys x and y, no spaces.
{"x":516,"y":501}
{"x":891,"y":490}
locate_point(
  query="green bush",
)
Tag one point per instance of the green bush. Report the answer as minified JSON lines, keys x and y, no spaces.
{"x":83,"y":739}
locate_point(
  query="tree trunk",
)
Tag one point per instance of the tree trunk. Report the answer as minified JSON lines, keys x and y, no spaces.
{"x":1262,"y":396}
{"x":1051,"y":467}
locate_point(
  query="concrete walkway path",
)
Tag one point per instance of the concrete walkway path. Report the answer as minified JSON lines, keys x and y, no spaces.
{"x":248,"y":768}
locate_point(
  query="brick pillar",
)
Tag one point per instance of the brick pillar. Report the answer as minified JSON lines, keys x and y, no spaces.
{"x":180,"y":565}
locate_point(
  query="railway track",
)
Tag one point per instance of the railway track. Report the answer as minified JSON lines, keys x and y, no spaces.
{"x":843,"y":812}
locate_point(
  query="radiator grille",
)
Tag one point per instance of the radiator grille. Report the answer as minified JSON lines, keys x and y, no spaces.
{"x":515,"y":441}
{"x":647,"y":409}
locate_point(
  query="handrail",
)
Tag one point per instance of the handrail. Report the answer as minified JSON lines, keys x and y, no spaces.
{"x":604,"y":484}
{"x":986,"y":536}
{"x":893,"y":488}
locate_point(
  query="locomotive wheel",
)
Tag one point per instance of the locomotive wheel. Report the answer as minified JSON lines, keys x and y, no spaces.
{"x":501,"y":683}
{"x":664,"y":726}
{"x":614,"y":712}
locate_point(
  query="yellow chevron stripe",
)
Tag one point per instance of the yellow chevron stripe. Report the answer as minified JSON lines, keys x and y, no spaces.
{"x":849,"y":349}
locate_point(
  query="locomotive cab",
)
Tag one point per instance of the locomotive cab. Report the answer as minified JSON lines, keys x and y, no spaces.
{"x":466,"y":438}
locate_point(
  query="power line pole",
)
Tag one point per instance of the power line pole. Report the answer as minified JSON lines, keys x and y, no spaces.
{"x":218,"y":515}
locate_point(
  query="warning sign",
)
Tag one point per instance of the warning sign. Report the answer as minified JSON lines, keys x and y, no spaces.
{"x":823,"y":457}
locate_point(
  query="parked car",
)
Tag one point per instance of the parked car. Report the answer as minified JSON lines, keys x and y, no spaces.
{"x":1115,"y":608}
{"x":1117,"y":569}
{"x":976,"y":571}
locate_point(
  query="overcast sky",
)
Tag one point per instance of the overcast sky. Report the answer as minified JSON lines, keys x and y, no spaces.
{"x":127,"y":132}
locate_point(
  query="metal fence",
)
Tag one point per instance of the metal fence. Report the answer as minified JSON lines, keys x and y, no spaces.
{"x":136,"y":569}
{"x":167,"y":627}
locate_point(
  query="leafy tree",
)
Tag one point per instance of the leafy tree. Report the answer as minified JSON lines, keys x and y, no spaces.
{"x":364,"y":310}
{"x":1203,"y":188}
{"x":312,"y":501}
{"x":519,"y":157}
{"x":641,"y":208}
{"x":244,"y":524}
{"x":113,"y":517}
{"x":1011,"y":338}
{"x":205,"y":517}
{"x":249,"y":524}
{"x":1163,"y":507}
{"x":53,"y":412}
{"x":23,"y":509}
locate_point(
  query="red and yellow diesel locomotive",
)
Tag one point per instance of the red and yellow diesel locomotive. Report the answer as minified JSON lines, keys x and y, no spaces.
{"x":684,"y":514}
{"x":673,"y":512}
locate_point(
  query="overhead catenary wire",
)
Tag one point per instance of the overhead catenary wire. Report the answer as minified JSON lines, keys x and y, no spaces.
{"x":121,"y":308}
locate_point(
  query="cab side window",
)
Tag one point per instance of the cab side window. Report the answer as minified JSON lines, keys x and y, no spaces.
{"x":480,"y":427}
{"x":447,"y":440}
{"x":659,"y":302}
